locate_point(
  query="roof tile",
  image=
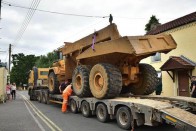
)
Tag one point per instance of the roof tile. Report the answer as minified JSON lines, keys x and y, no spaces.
{"x":173,"y":24}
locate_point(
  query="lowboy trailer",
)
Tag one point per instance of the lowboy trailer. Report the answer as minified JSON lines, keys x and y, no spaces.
{"x":131,"y":111}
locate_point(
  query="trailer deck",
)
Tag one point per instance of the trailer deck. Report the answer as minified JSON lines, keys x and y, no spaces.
{"x":142,"y":110}
{"x":155,"y":112}
{"x":182,"y":102}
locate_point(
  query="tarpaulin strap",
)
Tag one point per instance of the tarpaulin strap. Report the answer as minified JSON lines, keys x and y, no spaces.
{"x":94,"y":40}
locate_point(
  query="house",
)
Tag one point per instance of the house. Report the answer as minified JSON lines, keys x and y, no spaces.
{"x":177,"y":66}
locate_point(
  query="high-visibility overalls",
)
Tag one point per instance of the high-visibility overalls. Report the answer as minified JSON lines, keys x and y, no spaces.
{"x":66,"y":93}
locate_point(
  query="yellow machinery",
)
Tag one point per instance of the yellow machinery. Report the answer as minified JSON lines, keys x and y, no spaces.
{"x":56,"y":73}
{"x":56,"y":76}
{"x":105,"y":64}
{"x":38,"y":79}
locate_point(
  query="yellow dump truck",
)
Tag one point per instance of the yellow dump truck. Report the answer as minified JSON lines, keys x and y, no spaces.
{"x":105,"y":64}
{"x":3,"y":82}
{"x":56,"y":73}
{"x":38,"y":79}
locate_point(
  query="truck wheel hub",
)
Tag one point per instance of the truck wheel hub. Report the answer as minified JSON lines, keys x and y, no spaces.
{"x":98,"y":82}
{"x":78,"y":82}
{"x":123,"y":118}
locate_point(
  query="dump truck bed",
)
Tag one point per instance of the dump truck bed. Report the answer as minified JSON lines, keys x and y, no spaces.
{"x":134,"y":46}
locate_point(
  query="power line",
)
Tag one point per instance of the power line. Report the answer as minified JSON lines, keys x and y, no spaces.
{"x":53,"y":12}
{"x":25,"y":22}
{"x":6,"y":55}
{"x":30,"y":13}
{"x":85,"y":28}
{"x":28,"y":17}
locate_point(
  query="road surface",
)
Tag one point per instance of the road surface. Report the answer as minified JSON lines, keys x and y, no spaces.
{"x":24,"y":115}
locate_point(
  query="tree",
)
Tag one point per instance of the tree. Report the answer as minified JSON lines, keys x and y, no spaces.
{"x":21,"y":66}
{"x":153,"y":22}
{"x":46,"y":61}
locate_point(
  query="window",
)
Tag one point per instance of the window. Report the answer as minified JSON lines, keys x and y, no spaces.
{"x":156,"y":57}
{"x":43,"y":72}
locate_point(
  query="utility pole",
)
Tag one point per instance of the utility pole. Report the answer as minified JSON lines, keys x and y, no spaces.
{"x":10,"y":49}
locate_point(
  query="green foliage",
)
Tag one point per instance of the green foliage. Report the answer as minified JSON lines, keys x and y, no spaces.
{"x":21,"y":66}
{"x":46,"y":61}
{"x":152,"y":22}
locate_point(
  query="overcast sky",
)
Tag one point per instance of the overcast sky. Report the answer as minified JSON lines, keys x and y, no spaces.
{"x":47,"y":31}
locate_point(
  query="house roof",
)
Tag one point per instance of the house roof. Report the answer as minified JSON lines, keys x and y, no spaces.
{"x":176,"y":63}
{"x":173,"y":24}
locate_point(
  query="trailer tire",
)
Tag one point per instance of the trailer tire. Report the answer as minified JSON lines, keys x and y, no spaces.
{"x":85,"y":109}
{"x":124,"y":118}
{"x":73,"y":106}
{"x":80,"y":80}
{"x":39,"y":97}
{"x":105,"y":81}
{"x":53,"y":83}
{"x":44,"y":98}
{"x":148,"y":81}
{"x":102,"y":113}
{"x":31,"y":96}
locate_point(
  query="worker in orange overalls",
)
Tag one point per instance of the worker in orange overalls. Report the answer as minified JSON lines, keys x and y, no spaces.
{"x":66,"y":93}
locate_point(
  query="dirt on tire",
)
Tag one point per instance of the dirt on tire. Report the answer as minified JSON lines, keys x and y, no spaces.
{"x":111,"y":83}
{"x":148,"y":81}
{"x":53,"y":83}
{"x":80,"y":80}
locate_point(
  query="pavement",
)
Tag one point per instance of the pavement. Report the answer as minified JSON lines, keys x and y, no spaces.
{"x":14,"y":116}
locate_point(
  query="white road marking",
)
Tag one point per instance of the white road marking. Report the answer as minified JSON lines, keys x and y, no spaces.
{"x":35,"y":119}
{"x":45,"y":119}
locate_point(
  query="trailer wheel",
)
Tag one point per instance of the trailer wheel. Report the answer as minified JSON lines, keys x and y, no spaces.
{"x":105,"y":81}
{"x":73,"y":106}
{"x":31,"y":96}
{"x":53,"y":83}
{"x":44,"y":98}
{"x":124,"y":118}
{"x":39,"y":97}
{"x":85,"y":109}
{"x":102,"y":113}
{"x":80,"y":80}
{"x":148,"y":81}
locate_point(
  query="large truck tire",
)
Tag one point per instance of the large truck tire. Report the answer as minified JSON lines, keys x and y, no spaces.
{"x":80,"y":80}
{"x":53,"y":83}
{"x":124,"y":118}
{"x":148,"y":81}
{"x":85,"y":109}
{"x":102,"y":113}
{"x":105,"y":81}
{"x":73,"y":106}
